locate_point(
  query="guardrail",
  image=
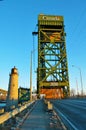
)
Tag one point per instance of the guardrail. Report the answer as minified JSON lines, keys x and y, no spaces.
{"x":14,"y":112}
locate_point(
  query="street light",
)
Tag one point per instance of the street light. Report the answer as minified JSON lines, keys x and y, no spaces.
{"x":31,"y":78}
{"x":80,"y":77}
{"x":31,"y":74}
{"x":77,"y":88}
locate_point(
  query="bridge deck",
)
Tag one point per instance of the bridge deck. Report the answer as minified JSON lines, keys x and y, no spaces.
{"x":40,"y":119}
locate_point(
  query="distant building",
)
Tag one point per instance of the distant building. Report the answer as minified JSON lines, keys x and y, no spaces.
{"x":3,"y":94}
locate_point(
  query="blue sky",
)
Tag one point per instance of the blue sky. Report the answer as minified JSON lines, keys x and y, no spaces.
{"x":18,"y":19}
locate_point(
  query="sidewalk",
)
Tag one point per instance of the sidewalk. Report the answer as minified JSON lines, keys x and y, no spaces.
{"x":40,"y":119}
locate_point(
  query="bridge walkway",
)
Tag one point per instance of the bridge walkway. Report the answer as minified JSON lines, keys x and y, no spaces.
{"x":40,"y":119}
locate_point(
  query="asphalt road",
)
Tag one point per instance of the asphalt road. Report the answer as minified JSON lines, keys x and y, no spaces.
{"x":72,"y":112}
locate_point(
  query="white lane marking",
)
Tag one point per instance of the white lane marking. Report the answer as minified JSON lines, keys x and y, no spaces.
{"x":74,"y":127}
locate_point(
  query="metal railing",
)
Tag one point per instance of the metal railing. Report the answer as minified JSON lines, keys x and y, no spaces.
{"x":8,"y":115}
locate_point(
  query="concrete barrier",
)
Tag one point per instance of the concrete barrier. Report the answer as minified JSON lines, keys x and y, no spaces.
{"x":49,"y":106}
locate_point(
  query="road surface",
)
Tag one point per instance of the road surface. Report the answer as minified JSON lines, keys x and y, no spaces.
{"x":72,"y":112}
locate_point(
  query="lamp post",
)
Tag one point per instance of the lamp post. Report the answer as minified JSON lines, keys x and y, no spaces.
{"x":31,"y":78}
{"x":77,"y":88}
{"x":80,"y":77}
{"x":31,"y":74}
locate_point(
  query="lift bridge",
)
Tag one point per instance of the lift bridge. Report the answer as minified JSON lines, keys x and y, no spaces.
{"x":52,"y":71}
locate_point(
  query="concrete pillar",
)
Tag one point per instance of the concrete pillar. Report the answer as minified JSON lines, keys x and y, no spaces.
{"x":12,"y":97}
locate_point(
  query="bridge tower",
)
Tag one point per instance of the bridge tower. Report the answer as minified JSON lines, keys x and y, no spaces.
{"x":52,"y":72}
{"x":12,"y":97}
